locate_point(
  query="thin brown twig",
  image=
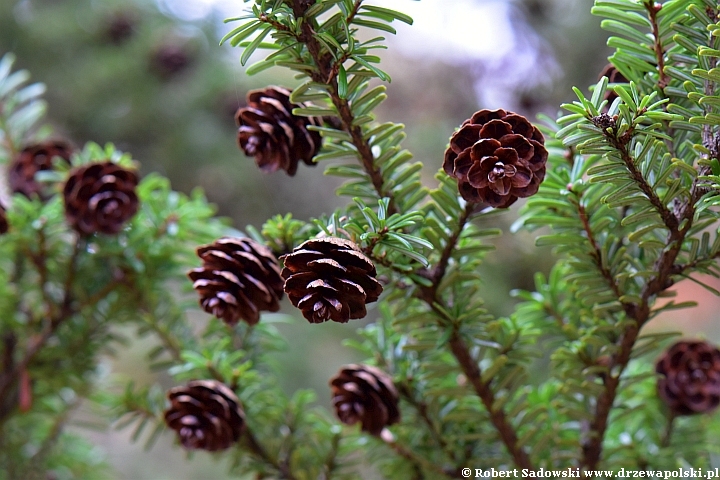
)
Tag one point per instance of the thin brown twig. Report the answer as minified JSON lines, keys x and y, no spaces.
{"x":502,"y":424}
{"x":652,"y":10}
{"x":37,"y":342}
{"x":663,"y":79}
{"x":70,"y":279}
{"x":167,"y":340}
{"x":596,"y":251}
{"x":331,"y":461}
{"x":39,"y":260}
{"x":592,"y":447}
{"x":277,"y":25}
{"x":324,"y":64}
{"x":422,"y":411}
{"x":441,"y":267}
{"x":418,"y":460}
{"x":8,"y":373}
{"x":667,"y":435}
{"x":559,"y":319}
{"x":261,"y":452}
{"x":668,"y":218}
{"x":356,"y":8}
{"x":99,"y":295}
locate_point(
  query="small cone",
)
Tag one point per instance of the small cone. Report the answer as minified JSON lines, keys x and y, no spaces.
{"x":270,"y":132}
{"x":690,"y":381}
{"x":206,"y":415}
{"x":100,"y":198}
{"x":170,"y":60}
{"x":239,"y":279}
{"x":367,"y":395}
{"x":330,"y":279}
{"x":496,"y":157}
{"x":120,"y":27}
{"x":33,"y":159}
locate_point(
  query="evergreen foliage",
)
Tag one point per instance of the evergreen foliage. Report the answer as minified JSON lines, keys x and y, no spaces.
{"x":629,"y":204}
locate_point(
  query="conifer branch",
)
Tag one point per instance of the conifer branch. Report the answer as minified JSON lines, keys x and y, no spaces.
{"x":461,"y":352}
{"x":170,"y":343}
{"x":37,"y":342}
{"x":640,"y":314}
{"x":678,"y":225}
{"x":331,"y":460}
{"x":323,"y":74}
{"x":439,"y":271}
{"x":499,"y":419}
{"x":621,"y":144}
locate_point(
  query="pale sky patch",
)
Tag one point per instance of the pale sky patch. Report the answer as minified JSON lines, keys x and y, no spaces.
{"x":452,"y":30}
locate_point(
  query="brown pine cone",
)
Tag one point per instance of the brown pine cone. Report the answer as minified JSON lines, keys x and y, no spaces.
{"x":690,"y":381}
{"x":170,"y":60}
{"x":239,"y":279}
{"x":100,"y":198}
{"x":330,"y":279}
{"x":32,"y":159}
{"x":270,"y":132}
{"x":4,"y":227}
{"x":367,"y":395}
{"x":614,"y":76}
{"x":496,"y":157}
{"x":119,"y":27}
{"x":206,"y":414}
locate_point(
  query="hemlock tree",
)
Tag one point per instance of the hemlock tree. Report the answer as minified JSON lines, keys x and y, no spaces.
{"x":625,"y":182}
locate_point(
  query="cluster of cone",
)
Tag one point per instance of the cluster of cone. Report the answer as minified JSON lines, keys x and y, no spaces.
{"x":326,"y":278}
{"x":207,"y":415}
{"x":166,"y":60}
{"x":496,"y":156}
{"x":98,"y":197}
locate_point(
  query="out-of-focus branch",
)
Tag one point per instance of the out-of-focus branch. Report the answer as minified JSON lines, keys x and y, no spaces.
{"x":259,"y":451}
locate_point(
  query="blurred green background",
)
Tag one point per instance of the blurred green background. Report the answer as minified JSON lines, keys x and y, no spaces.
{"x":149,"y":76}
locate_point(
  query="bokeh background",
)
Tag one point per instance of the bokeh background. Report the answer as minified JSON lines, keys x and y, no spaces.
{"x":149,"y":76}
